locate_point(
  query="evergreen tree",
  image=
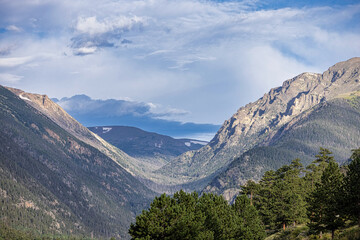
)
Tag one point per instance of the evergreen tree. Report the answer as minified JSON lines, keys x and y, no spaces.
{"x":250,"y":189}
{"x":219,"y":217}
{"x":170,"y":218}
{"x":352,"y":187}
{"x":324,"y":202}
{"x":186,"y":216}
{"x":317,"y":167}
{"x":280,"y":196}
{"x":289,"y":204}
{"x":250,"y":226}
{"x":264,"y":201}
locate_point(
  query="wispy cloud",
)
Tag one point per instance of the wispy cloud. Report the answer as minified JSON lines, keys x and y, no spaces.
{"x":13,"y":28}
{"x":7,"y":78}
{"x":91,"y":26}
{"x":202,"y":56}
{"x":91,"y":33}
{"x":14,"y":61}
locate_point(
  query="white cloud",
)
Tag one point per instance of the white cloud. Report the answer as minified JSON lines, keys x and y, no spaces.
{"x":85,"y":50}
{"x":165,"y":112}
{"x":14,"y":61}
{"x":9,"y":78}
{"x":207,"y":57}
{"x":91,"y":26}
{"x":13,"y":28}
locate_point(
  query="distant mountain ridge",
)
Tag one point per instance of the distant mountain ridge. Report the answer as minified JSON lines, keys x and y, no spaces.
{"x":147,"y":116}
{"x":142,"y":144}
{"x":259,"y":121}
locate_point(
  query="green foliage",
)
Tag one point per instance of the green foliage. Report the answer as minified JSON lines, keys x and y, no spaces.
{"x":294,"y":233}
{"x":251,"y":226}
{"x":352,"y":233}
{"x":324,"y":203}
{"x":352,"y":187}
{"x":188,"y":216}
{"x":280,"y":197}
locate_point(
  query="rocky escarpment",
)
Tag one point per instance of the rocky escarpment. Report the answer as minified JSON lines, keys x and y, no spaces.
{"x":258,"y":121}
{"x":333,"y":124}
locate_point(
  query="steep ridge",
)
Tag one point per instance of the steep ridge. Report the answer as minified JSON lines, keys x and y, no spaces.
{"x":146,"y":145}
{"x":52,"y":182}
{"x":257,"y":121}
{"x":45,"y":105}
{"x":333,"y":124}
{"x":143,"y":170}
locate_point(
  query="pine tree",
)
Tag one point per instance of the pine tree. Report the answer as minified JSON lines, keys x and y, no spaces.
{"x":289,"y":203}
{"x":169,"y":218}
{"x":250,"y":226}
{"x":324,"y":202}
{"x":250,"y":189}
{"x":220,"y":219}
{"x":265,"y":199}
{"x":352,"y":187}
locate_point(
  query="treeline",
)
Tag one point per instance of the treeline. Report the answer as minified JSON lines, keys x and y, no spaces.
{"x":188,"y":216}
{"x":323,"y":196}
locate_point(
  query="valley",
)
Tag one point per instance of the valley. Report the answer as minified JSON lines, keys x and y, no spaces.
{"x":60,"y":177}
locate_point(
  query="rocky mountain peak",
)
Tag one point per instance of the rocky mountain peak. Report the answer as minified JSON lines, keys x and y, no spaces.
{"x":256,"y":121}
{"x":282,"y":104}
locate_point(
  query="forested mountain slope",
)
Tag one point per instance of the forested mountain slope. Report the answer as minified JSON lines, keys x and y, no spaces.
{"x":146,"y":145}
{"x":138,"y":167}
{"x":260,"y":120}
{"x":334,"y":124}
{"x":52,"y":182}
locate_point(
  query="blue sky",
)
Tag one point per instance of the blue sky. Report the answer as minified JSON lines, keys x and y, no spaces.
{"x":192,"y":61}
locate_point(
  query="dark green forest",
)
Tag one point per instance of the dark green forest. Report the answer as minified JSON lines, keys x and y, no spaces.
{"x":323,"y":199}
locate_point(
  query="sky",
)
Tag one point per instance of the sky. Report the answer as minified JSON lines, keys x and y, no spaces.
{"x":194,"y":61}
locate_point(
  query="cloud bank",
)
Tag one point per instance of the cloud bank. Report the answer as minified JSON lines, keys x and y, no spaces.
{"x":207,"y":57}
{"x":148,"y":116}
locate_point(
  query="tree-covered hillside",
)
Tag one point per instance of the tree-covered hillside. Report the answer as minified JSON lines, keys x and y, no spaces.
{"x":51,"y":182}
{"x":146,"y":145}
{"x":321,"y":201}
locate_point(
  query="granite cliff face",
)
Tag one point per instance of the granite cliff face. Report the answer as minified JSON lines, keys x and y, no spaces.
{"x":259,"y":121}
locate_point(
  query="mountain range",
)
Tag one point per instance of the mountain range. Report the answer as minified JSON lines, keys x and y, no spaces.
{"x":146,"y":145}
{"x":59,"y":177}
{"x":262,"y":122}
